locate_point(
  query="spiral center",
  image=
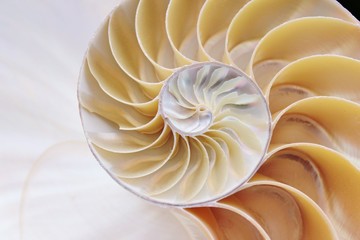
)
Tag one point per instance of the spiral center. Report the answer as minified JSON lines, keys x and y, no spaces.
{"x":201,"y":108}
{"x":197,"y":98}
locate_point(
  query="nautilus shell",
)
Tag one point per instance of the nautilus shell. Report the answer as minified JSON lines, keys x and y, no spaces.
{"x":246,"y":113}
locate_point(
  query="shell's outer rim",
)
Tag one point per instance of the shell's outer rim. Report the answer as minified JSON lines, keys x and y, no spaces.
{"x":210,"y":201}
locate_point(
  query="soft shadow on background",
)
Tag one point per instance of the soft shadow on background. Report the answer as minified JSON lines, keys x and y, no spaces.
{"x":51,"y":187}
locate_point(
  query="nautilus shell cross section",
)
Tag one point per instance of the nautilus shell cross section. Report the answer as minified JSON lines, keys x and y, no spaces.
{"x":245,"y":113}
{"x":206,"y":136}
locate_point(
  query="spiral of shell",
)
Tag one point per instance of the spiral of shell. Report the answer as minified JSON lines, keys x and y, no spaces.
{"x":246,"y":111}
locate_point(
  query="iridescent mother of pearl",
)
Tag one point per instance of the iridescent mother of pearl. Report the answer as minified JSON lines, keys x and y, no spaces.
{"x":196,"y":97}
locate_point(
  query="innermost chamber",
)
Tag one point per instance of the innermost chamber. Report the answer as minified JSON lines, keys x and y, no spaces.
{"x":196,"y":97}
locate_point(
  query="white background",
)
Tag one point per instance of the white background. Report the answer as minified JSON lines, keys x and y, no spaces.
{"x":50,"y":185}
